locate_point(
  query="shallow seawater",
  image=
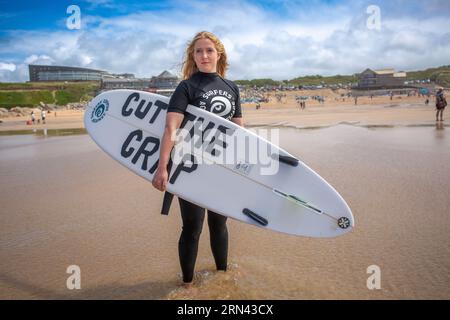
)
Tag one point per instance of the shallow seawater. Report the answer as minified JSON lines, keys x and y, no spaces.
{"x":45,"y":132}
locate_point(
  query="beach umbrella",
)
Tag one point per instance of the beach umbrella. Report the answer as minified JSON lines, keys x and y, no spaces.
{"x":424,"y":91}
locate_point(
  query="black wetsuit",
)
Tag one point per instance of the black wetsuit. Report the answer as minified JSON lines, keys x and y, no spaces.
{"x":202,"y":90}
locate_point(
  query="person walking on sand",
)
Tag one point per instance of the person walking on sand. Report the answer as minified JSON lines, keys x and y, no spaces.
{"x":441,"y":103}
{"x":203,"y":71}
{"x":33,"y":118}
{"x":43,"y":113}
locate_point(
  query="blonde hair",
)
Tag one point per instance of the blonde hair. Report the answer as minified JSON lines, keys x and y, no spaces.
{"x":189,"y":67}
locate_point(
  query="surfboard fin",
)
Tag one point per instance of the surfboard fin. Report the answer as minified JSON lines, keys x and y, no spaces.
{"x":286,"y":159}
{"x":261,"y":220}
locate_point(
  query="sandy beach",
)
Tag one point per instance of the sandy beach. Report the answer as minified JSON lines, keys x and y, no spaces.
{"x":380,"y":110}
{"x":65,"y":202}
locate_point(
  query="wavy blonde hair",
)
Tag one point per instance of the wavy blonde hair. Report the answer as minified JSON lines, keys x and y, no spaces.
{"x":189,"y":67}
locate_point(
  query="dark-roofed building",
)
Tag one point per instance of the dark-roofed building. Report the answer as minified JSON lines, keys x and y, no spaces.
{"x":63,"y":73}
{"x":165,"y":80}
{"x":165,"y":83}
{"x":385,"y":78}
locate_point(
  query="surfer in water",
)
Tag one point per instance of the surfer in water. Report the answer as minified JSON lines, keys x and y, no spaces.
{"x":204,"y":80}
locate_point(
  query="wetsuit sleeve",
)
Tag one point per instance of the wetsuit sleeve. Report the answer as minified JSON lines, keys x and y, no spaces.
{"x":238,"y":110}
{"x":180,"y":99}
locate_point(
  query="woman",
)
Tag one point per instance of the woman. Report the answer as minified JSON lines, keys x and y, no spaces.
{"x":441,"y":103}
{"x":203,"y":72}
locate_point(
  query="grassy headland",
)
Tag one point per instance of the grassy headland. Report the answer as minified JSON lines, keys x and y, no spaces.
{"x":30,"y":94}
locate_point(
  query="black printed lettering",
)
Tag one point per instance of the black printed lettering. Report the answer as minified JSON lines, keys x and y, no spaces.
{"x":146,"y":153}
{"x":195,"y":129}
{"x":205,"y":132}
{"x":188,"y":119}
{"x":126,"y":153}
{"x":159,"y":106}
{"x":218,"y":140}
{"x":141,"y":111}
{"x":127,"y":112}
{"x":154,"y":167}
{"x":141,"y":114}
{"x":182,"y":167}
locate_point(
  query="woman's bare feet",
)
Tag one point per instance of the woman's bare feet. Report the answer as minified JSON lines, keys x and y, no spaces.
{"x":189,"y":288}
{"x":188,"y":285}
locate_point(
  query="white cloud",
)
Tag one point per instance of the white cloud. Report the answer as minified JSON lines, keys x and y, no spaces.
{"x":35,"y":59}
{"x":19,"y":74}
{"x":259,"y":43}
{"x":7,"y":66}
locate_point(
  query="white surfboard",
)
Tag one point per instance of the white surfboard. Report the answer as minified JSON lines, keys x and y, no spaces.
{"x":218,"y":165}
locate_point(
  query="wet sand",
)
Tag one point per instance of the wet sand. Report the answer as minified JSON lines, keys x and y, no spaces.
{"x":65,"y":202}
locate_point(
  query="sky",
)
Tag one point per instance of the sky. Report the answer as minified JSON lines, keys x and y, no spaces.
{"x":263,"y":39}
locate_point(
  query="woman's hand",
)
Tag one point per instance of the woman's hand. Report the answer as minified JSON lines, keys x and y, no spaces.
{"x":160,"y":179}
{"x":173,"y":122}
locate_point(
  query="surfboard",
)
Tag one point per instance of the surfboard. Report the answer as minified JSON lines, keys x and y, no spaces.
{"x":218,"y":165}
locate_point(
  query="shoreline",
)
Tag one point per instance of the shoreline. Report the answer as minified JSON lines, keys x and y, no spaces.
{"x":285,"y":116}
{"x":82,"y":131}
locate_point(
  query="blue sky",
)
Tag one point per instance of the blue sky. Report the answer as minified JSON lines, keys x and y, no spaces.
{"x":278,"y":39}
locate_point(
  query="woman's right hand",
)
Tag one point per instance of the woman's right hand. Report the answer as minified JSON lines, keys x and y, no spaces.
{"x":160,"y":179}
{"x":173,"y":122}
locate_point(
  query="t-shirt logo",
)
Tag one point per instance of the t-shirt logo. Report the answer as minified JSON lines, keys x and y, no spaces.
{"x":221,"y":103}
{"x":220,"y":106}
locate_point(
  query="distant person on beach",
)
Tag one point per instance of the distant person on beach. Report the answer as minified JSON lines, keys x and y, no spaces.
{"x":441,"y":103}
{"x":203,"y":71}
{"x":33,"y":118}
{"x":43,"y":116}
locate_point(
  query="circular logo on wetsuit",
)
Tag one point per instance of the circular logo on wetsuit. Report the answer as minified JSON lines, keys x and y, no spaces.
{"x":100,"y":110}
{"x":220,"y":106}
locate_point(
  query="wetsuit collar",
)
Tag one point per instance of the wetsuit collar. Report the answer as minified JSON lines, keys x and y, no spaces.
{"x":207,"y":74}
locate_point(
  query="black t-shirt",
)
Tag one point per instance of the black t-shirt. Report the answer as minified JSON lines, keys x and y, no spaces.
{"x":207,"y":91}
